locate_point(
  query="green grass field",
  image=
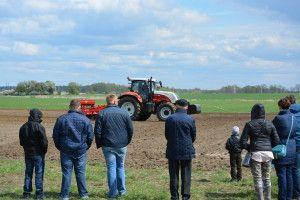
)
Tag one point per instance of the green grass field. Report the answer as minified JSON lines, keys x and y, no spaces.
{"x":142,"y":184}
{"x":210,"y":103}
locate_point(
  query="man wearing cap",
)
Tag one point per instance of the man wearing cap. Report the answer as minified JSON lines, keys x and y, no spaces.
{"x":180,"y":132}
{"x":73,"y":136}
{"x":34,"y":141}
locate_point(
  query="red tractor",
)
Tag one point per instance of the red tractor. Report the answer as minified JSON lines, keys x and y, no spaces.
{"x":142,"y":100}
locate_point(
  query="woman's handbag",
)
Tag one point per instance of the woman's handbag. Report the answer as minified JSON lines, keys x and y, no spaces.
{"x":279,"y":151}
{"x":246,"y":160}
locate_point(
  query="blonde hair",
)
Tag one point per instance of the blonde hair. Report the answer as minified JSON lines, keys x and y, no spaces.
{"x":110,"y":98}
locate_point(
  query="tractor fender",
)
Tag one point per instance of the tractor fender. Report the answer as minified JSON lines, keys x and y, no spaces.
{"x":132,"y":94}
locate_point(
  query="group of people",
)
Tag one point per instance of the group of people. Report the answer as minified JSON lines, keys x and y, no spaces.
{"x":73,"y":135}
{"x":263,"y":137}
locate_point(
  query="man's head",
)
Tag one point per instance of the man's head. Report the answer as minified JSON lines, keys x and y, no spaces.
{"x":75,"y":104}
{"x":182,"y":104}
{"x":112,"y":99}
{"x":291,"y":99}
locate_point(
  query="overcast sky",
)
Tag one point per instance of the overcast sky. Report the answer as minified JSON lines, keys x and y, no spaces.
{"x":204,"y":44}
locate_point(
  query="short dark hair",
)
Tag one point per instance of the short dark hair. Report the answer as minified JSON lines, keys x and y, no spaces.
{"x":284,"y":103}
{"x":291,"y":98}
{"x":74,"y":103}
{"x":110,"y":97}
{"x":182,"y":103}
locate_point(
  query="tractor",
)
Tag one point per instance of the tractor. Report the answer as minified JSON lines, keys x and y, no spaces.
{"x":143,"y":100}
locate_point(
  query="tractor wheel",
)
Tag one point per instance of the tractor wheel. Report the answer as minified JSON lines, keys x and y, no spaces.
{"x":164,"y":110}
{"x":131,"y":106}
{"x":144,"y":116}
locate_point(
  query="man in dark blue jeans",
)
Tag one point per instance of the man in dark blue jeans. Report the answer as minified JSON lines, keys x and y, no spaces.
{"x":113,"y":132}
{"x":34,"y":141}
{"x":180,"y":132}
{"x":73,"y":136}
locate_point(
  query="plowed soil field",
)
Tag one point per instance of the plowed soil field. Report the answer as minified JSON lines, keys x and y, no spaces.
{"x":147,"y":149}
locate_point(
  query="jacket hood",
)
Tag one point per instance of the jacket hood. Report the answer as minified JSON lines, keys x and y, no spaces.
{"x":295,"y":108}
{"x":258,"y":112}
{"x":35,"y":115}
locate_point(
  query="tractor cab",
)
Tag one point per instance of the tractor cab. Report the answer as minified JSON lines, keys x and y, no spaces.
{"x":144,"y":87}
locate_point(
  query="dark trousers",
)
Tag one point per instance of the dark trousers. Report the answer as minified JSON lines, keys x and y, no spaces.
{"x":185,"y":167}
{"x":285,"y":181}
{"x":37,"y":164}
{"x":236,"y":166}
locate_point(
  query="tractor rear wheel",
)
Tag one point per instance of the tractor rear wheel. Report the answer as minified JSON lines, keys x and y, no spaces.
{"x":164,"y":110}
{"x":132,"y":106}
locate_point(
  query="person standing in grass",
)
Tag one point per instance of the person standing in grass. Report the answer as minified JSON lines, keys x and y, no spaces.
{"x":263,"y":136}
{"x":295,"y":109}
{"x":233,"y":147}
{"x":180,"y":133}
{"x":33,"y":139}
{"x":286,"y":128}
{"x":73,"y":136}
{"x":113,"y":132}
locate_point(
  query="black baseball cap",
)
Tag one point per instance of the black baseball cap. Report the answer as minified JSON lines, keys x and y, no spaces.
{"x":182,"y":102}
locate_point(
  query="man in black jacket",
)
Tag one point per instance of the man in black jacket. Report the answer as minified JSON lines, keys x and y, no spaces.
{"x":34,"y":141}
{"x":113,"y":132}
{"x":233,"y":147}
{"x":180,"y":132}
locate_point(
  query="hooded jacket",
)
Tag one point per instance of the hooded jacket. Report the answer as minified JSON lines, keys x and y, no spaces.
{"x":283,"y":124}
{"x":233,"y":143}
{"x":295,"y":109}
{"x":262,"y":133}
{"x":32,"y":135}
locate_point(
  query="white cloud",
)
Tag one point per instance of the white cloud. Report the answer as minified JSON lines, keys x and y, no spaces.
{"x":42,"y":24}
{"x":25,"y":48}
{"x":267,"y":64}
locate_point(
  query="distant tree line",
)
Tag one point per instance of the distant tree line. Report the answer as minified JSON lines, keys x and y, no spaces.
{"x":49,"y":88}
{"x":35,"y":88}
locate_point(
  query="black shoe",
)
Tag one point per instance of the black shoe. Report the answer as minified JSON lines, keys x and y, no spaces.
{"x":40,"y":197}
{"x":26,"y":196}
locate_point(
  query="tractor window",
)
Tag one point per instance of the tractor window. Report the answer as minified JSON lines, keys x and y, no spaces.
{"x":137,"y":86}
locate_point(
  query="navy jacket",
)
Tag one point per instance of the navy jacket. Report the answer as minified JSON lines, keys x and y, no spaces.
{"x":73,"y":133}
{"x":180,"y":132}
{"x":282,"y":123}
{"x":295,"y":109}
{"x":113,"y":127}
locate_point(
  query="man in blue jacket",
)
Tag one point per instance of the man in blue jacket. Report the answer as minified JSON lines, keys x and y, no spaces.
{"x":113,"y":132}
{"x":73,"y":136}
{"x":295,"y":109}
{"x":180,"y":132}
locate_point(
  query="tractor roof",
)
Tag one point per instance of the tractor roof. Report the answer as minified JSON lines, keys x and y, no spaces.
{"x":141,"y":79}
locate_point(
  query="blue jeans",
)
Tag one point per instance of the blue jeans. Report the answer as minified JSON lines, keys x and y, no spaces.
{"x":67,"y":164}
{"x":285,"y":181}
{"x":36,"y":163}
{"x":296,"y":177}
{"x":115,"y":158}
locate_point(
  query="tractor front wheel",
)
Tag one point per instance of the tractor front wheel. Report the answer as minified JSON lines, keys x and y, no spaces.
{"x":164,"y":110}
{"x":131,"y":105}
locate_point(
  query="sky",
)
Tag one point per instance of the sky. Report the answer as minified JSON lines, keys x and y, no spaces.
{"x":185,"y":44}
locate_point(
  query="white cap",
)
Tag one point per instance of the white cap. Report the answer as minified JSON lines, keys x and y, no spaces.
{"x":236,"y":129}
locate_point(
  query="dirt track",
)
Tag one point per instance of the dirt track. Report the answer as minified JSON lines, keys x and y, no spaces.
{"x":148,"y":146}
